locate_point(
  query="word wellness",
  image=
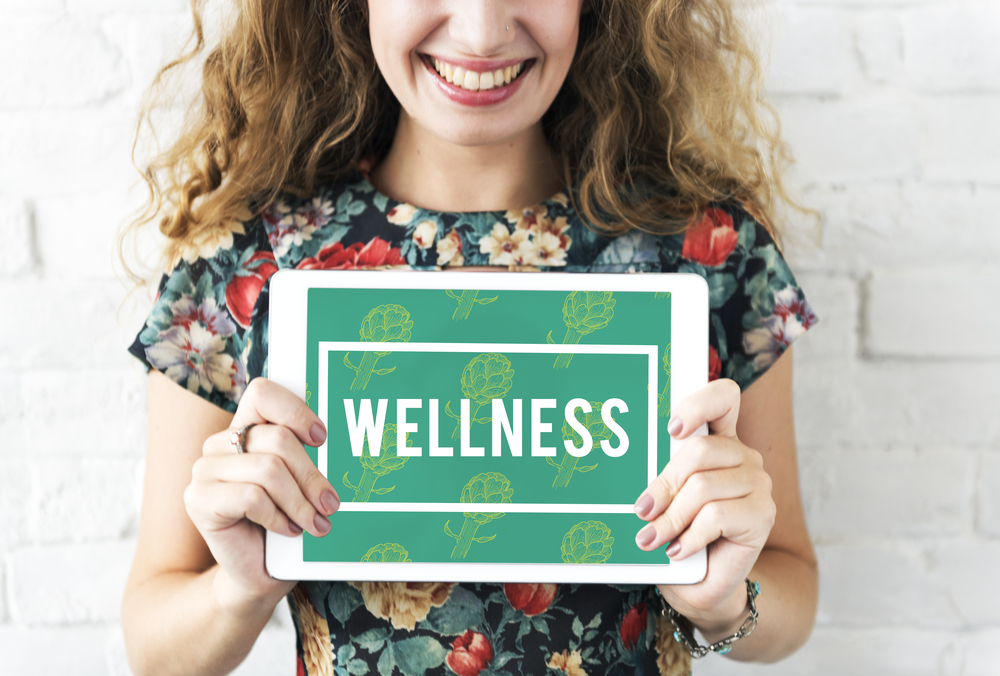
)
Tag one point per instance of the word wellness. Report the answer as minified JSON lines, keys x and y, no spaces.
{"x":362,"y":422}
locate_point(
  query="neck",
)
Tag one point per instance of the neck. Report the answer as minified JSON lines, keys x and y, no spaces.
{"x":429,"y":172}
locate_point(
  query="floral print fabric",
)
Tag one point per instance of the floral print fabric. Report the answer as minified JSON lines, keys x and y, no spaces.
{"x":208,"y":332}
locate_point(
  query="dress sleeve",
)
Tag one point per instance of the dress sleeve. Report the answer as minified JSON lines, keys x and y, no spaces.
{"x":200,"y":332}
{"x":756,"y":308}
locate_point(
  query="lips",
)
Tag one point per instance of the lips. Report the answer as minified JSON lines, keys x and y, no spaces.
{"x":477,"y":83}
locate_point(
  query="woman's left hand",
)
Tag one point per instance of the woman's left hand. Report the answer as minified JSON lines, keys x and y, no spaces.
{"x":713,"y":493}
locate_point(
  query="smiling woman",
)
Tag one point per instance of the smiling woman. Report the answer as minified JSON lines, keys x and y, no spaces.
{"x":567,"y":135}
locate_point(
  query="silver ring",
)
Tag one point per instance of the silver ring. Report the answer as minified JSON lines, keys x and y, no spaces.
{"x":239,"y":438}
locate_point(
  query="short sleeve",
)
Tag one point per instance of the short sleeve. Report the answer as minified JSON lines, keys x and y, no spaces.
{"x":756,"y":307}
{"x":200,"y":332}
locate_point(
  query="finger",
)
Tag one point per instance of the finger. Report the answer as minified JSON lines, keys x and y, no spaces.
{"x":745,"y":521}
{"x":216,"y":505}
{"x":267,"y":402}
{"x":270,"y":473}
{"x":282,"y":442}
{"x":717,"y":404}
{"x":699,"y":490}
{"x":700,"y":454}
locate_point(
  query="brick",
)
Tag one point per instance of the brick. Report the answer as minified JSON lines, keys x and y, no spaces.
{"x":69,"y":584}
{"x":878,"y":651}
{"x":58,"y":151}
{"x":812,"y":52}
{"x":914,"y":404}
{"x":98,"y":412}
{"x":900,"y":313}
{"x":17,"y":256}
{"x":953,"y":47}
{"x":76,"y":651}
{"x":878,"y":38}
{"x":72,"y":325}
{"x":852,"y":495}
{"x":909,"y":584}
{"x":882,"y":143}
{"x":988,"y":495}
{"x":891,"y":225}
{"x":978,"y":653}
{"x":82,"y":499}
{"x":835,"y":301}
{"x":147,"y":42}
{"x":15,"y":490}
{"x":85,"y":68}
{"x":961,"y":144}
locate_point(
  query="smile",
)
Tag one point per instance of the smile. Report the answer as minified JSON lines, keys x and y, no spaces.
{"x":472,"y":80}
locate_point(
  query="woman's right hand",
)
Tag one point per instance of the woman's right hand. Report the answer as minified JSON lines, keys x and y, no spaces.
{"x":233,"y":497}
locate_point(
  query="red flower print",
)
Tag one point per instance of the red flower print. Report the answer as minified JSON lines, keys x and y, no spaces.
{"x":244,"y":288}
{"x":530,"y":598}
{"x":300,"y":668}
{"x":470,"y":653}
{"x":714,"y":364}
{"x":633,"y":625}
{"x":712,"y":240}
{"x":358,"y":255}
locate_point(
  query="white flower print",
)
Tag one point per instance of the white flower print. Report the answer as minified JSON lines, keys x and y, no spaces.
{"x":194,"y":358}
{"x":549,"y":250}
{"x":449,"y":250}
{"x":216,"y":320}
{"x":209,"y":241}
{"x":423,"y":235}
{"x":401,"y":214}
{"x":504,"y":246}
{"x":315,"y":213}
{"x":768,"y":342}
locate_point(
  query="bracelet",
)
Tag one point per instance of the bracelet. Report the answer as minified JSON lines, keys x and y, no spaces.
{"x":684,"y":631}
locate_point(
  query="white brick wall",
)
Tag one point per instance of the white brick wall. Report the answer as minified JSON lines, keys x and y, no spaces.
{"x":892,"y":107}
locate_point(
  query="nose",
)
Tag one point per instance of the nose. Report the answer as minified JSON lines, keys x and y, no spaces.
{"x":483,"y":26}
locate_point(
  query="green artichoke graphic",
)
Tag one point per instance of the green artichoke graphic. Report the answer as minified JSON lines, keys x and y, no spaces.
{"x":595,"y":425}
{"x":664,"y":397}
{"x":386,"y":323}
{"x":485,"y":378}
{"x":584,"y":312}
{"x":490,"y":488}
{"x":466,"y":301}
{"x":387,"y":552}
{"x":374,"y":467}
{"x":587,"y":542}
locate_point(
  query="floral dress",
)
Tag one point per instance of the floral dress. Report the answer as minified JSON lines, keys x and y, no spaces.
{"x":208,"y":332}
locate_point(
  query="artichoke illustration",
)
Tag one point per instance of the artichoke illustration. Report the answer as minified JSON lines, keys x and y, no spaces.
{"x":490,"y":488}
{"x":584,"y":312}
{"x":386,"y":461}
{"x":664,"y":397}
{"x":465,"y":302}
{"x":385,"y":323}
{"x":387,"y":552}
{"x":598,"y":430}
{"x":485,"y":378}
{"x":587,"y":542}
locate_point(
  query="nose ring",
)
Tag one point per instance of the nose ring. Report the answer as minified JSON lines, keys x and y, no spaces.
{"x":508,"y":27}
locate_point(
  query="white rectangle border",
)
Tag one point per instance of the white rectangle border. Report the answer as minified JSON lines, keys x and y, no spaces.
{"x":289,"y":290}
{"x":652,"y":353}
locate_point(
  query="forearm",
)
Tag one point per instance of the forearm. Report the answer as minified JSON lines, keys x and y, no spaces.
{"x":178,"y":624}
{"x":786,"y":607}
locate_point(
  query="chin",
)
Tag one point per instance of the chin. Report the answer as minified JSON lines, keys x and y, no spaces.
{"x":478,"y":133}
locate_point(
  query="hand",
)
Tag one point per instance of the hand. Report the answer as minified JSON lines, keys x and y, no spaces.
{"x":713,"y":493}
{"x":233,"y":497}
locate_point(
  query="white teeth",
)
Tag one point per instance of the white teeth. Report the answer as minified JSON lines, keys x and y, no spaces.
{"x":473,"y":81}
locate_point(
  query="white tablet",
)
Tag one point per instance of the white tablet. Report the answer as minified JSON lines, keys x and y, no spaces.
{"x":487,"y":427}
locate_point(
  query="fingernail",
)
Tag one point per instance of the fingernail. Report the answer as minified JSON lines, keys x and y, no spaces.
{"x":318,"y":433}
{"x":644,"y":505}
{"x":674,"y":549}
{"x":322,"y":524}
{"x":646,"y":536}
{"x":675,"y":426}
{"x":294,"y":527}
{"x":329,"y":501}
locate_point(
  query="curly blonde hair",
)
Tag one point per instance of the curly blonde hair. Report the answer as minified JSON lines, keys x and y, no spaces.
{"x":660,"y":115}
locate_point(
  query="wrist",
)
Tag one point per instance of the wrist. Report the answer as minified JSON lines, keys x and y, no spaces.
{"x":724,"y":619}
{"x":235,"y":600}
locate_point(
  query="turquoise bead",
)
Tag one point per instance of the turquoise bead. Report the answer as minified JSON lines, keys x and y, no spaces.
{"x":677,"y":636}
{"x":756,"y":587}
{"x":724,"y":650}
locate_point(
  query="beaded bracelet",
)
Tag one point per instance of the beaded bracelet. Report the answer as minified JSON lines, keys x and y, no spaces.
{"x":684,"y":631}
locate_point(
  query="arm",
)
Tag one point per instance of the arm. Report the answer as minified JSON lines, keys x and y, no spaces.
{"x":182,"y":612}
{"x":725,"y":491}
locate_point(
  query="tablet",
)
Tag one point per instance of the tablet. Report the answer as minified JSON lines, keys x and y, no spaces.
{"x":487,"y":427}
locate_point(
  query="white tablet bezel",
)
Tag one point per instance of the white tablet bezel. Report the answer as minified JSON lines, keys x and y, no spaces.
{"x":287,"y":367}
